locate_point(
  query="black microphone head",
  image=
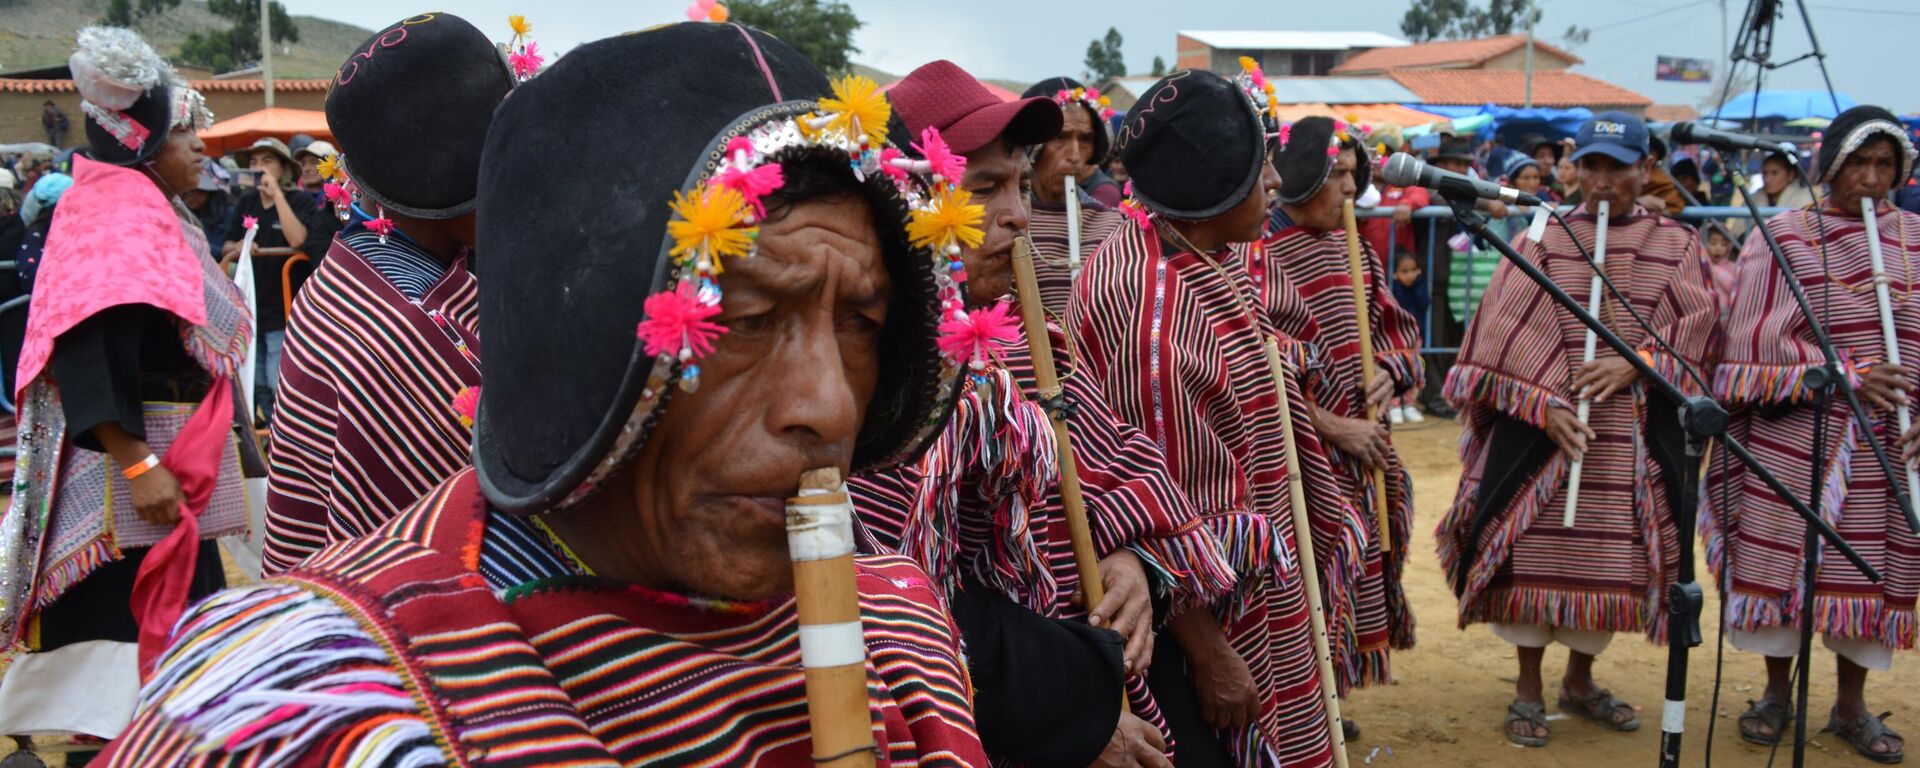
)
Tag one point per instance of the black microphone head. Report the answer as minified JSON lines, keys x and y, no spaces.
{"x":1403,"y":170}
{"x":1682,"y":133}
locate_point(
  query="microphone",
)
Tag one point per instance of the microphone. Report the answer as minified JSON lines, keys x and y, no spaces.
{"x":1726,"y":141}
{"x":1404,"y":170}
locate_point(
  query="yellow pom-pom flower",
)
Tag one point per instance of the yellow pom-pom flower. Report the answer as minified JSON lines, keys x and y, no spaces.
{"x":858,"y":109}
{"x":949,"y":219}
{"x":707,"y":223}
{"x":519,"y":24}
{"x":330,"y":168}
{"x":1247,"y":63}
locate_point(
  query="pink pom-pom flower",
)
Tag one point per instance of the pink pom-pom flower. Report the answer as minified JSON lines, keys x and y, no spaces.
{"x":249,"y":222}
{"x":337,"y":195}
{"x":526,"y":61}
{"x":888,"y":164}
{"x":677,"y":322}
{"x":974,"y":337}
{"x":381,"y":226}
{"x":754,"y":183}
{"x":946,"y":163}
{"x":467,"y":405}
{"x":1286,"y":132}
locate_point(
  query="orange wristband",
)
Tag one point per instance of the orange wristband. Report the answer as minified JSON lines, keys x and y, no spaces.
{"x":141,"y":468}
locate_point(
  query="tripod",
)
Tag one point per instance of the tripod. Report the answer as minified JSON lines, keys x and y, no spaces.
{"x":1755,"y":44}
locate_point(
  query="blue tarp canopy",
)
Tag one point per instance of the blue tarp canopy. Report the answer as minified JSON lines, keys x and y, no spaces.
{"x":1783,"y":105}
{"x":1510,"y":123}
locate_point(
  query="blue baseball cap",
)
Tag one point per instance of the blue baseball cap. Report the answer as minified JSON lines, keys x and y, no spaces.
{"x":1618,"y":135}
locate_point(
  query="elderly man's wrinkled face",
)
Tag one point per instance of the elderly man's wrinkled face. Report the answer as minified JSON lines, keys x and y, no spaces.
{"x":999,"y":176}
{"x":784,"y":391}
{"x":1068,"y":154}
{"x":1868,"y":172}
{"x":1604,"y":178}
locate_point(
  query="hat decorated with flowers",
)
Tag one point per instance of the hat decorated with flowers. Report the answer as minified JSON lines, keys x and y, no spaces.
{"x":668,"y":179}
{"x":131,"y":96}
{"x":1068,"y":92}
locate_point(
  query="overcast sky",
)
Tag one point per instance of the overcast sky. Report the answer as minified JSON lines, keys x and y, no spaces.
{"x":1027,"y":40}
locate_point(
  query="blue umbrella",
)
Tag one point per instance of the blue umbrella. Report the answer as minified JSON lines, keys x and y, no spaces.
{"x":1784,"y":105}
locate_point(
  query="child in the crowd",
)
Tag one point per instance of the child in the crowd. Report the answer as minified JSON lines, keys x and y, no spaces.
{"x":1411,"y":293}
{"x":1721,"y":252}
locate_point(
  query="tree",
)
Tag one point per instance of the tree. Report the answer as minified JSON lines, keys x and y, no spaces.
{"x":1455,"y":19}
{"x":238,"y":46}
{"x":1435,"y":20}
{"x":123,"y":13}
{"x":821,"y":31}
{"x":1104,"y":60}
{"x":1159,"y":67}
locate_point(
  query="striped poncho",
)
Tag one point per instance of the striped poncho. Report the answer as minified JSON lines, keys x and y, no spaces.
{"x":985,"y":500}
{"x":1516,"y":564}
{"x":1047,"y":231}
{"x":410,"y":646}
{"x":1757,"y":553}
{"x":1315,"y":265}
{"x":366,"y":422}
{"x":1177,"y":356}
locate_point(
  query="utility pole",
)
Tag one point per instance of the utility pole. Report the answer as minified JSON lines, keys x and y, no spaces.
{"x":266,"y":50}
{"x":1529,"y":103}
{"x":1723,"y":36}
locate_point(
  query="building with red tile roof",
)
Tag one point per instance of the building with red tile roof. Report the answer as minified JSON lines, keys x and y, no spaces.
{"x":1552,"y":88}
{"x":1506,"y":52}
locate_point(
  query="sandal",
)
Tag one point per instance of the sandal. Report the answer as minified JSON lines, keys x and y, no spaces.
{"x":1862,"y":733}
{"x":1530,"y":712}
{"x":1600,"y":707}
{"x":1772,"y":714}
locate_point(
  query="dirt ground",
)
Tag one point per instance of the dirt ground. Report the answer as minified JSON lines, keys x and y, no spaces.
{"x":1451,"y":692}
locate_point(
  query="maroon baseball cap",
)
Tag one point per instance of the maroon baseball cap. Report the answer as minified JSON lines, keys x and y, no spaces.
{"x":942,"y":95}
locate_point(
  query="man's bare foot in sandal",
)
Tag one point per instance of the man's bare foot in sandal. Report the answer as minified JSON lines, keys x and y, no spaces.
{"x":1579,"y":695}
{"x":1526,"y":722}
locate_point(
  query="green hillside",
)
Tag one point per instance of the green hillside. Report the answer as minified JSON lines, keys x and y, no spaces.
{"x":39,"y":33}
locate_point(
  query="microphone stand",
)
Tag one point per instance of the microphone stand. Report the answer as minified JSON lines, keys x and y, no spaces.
{"x":1821,"y":383}
{"x":1702,"y":418}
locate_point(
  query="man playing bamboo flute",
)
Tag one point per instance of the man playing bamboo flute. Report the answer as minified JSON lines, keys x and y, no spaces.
{"x":1322,"y":164}
{"x":1082,"y":145}
{"x":611,"y":584}
{"x":381,"y":344}
{"x":983,"y":514}
{"x":1758,"y":552}
{"x":1172,"y":326}
{"x":1514,"y":564}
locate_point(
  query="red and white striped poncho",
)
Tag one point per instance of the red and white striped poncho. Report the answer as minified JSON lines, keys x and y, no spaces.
{"x":1047,"y":231}
{"x":366,"y":423}
{"x":1178,"y":357}
{"x":1314,"y":264}
{"x":1757,"y":553}
{"x":985,"y":499}
{"x":1611,"y":570}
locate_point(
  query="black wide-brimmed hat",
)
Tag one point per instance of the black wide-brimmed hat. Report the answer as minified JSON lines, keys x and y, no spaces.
{"x":577,"y":254}
{"x":410,"y":111}
{"x":1454,"y":148}
{"x":1193,"y":145}
{"x":131,"y":96}
{"x":1308,"y":153}
{"x":1066,"y":92}
{"x":1853,"y":128}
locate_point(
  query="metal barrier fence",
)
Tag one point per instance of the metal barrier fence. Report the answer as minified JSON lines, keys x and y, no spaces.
{"x":1434,"y":247}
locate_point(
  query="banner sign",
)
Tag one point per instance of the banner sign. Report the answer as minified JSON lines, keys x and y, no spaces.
{"x":1682,"y":70}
